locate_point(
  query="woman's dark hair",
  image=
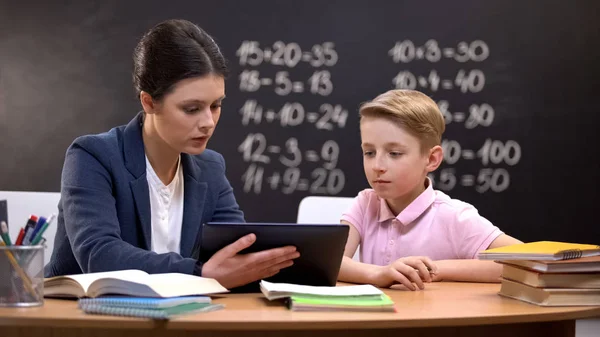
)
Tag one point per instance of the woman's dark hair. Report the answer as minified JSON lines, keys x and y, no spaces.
{"x":172,"y":51}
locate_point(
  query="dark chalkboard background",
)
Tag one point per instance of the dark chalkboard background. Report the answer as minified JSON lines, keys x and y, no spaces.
{"x":65,"y":70}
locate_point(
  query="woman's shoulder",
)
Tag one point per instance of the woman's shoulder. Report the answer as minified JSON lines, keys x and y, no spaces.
{"x":107,"y":142}
{"x":210,"y":158}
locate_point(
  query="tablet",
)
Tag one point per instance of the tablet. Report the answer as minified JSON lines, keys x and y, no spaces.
{"x":321,"y":247}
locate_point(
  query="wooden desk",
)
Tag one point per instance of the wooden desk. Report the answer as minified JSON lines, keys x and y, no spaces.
{"x":442,"y":309}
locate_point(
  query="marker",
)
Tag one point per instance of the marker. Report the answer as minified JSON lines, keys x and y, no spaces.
{"x":29,"y":226}
{"x":38,"y":237}
{"x":31,"y":222}
{"x":41,"y":221}
{"x":4,"y":233}
{"x":20,"y":237}
{"x":39,"y":234}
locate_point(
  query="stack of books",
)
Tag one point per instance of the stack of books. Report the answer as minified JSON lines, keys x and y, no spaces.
{"x":135,"y":293}
{"x":549,"y":273}
{"x":346,"y":298}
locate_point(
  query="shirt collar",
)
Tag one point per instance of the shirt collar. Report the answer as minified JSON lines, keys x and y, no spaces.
{"x":156,"y":180}
{"x":413,"y":210}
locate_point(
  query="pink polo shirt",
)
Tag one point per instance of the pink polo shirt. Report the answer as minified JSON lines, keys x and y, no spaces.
{"x":433,"y":225}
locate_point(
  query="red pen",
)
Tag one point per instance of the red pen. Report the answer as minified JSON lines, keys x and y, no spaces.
{"x":20,"y":237}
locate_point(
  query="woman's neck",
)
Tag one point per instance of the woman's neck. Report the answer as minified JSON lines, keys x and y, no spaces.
{"x":160,"y":155}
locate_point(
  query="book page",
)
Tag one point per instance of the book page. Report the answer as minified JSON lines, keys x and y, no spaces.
{"x":176,"y":284}
{"x":85,"y":280}
{"x":287,"y":288}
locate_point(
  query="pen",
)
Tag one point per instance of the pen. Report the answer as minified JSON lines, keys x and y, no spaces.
{"x":4,"y":233}
{"x":20,"y":237}
{"x":41,"y":221}
{"x":38,"y":236}
{"x":29,"y":226}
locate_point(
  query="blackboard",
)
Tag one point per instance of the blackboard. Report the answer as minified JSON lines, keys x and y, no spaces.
{"x":516,"y":80}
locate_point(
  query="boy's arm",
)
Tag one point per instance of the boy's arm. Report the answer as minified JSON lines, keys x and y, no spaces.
{"x":350,"y":270}
{"x":403,"y":271}
{"x":474,"y":270}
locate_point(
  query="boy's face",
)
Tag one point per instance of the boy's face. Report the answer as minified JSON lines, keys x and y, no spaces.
{"x":394,"y":164}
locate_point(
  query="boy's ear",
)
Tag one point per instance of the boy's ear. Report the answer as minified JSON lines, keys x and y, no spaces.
{"x":148,"y":103}
{"x":436,"y":155}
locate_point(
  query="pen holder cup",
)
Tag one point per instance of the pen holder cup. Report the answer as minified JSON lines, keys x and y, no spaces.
{"x":21,"y":276}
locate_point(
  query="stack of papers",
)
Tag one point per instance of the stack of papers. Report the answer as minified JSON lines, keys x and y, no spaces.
{"x":311,"y":298}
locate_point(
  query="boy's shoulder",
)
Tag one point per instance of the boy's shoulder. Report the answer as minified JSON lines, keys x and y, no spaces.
{"x":450,"y":205}
{"x":366,"y":201}
{"x":366,"y":196}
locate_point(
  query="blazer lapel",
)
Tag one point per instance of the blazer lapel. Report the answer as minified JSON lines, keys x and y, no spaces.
{"x":194,"y":195}
{"x":135,"y":161}
{"x":141,"y":196}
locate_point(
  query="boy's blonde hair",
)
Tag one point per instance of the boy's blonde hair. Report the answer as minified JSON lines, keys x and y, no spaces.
{"x":413,"y":111}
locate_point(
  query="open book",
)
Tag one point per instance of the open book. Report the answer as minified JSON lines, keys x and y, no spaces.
{"x":130,"y":283}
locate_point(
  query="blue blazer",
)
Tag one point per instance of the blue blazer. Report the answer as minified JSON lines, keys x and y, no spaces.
{"x":104,"y":212}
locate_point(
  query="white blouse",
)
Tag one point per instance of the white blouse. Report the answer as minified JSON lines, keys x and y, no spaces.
{"x":166,"y":207}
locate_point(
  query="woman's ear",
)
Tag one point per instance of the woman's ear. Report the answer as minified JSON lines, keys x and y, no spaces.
{"x":436,"y":155}
{"x":148,"y":103}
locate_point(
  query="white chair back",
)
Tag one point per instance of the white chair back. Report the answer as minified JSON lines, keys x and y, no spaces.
{"x":324,"y":210}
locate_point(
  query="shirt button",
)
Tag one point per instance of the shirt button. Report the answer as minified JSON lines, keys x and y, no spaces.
{"x":391,"y":242}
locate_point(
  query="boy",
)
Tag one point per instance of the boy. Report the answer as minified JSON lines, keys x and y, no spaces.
{"x":402,"y":224}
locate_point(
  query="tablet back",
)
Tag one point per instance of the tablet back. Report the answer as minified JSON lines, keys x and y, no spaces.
{"x":321,"y":247}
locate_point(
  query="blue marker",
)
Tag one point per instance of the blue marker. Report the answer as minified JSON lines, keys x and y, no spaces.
{"x":31,"y":233}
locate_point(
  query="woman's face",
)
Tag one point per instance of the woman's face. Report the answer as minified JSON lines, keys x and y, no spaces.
{"x":186,"y":117}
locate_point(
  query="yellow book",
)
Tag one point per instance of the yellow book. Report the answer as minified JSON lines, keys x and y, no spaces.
{"x":540,"y":250}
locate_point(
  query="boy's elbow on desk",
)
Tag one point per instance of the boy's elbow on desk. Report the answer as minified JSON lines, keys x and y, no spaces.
{"x":473,"y":270}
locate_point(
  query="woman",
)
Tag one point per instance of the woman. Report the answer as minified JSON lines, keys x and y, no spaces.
{"x":136,"y":196}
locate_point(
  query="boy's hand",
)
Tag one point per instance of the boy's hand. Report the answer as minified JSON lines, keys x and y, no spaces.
{"x":406,"y":271}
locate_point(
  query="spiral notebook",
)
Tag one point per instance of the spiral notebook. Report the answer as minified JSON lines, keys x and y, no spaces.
{"x":540,"y":251}
{"x":144,"y":302}
{"x":154,"y":308}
